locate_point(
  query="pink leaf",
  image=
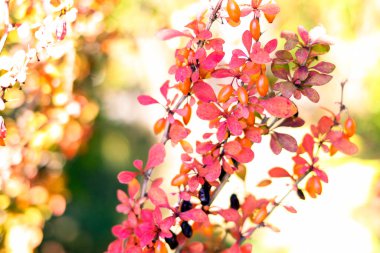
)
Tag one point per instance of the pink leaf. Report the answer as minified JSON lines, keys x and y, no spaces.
{"x":246,"y":155}
{"x":247,"y":40}
{"x":260,"y":56}
{"x":324,"y":67}
{"x":125,"y":177}
{"x":275,"y":145}
{"x":280,"y":107}
{"x":212,"y":60}
{"x":156,"y":155}
{"x":270,"y":46}
{"x":230,"y":215}
{"x":287,"y":142}
{"x":322,"y":175}
{"x":166,"y":34}
{"x":208,"y":111}
{"x":164,"y":89}
{"x":286,"y":88}
{"x":146,"y":100}
{"x":138,"y":164}
{"x":311,"y":94}
{"x":234,"y":125}
{"x":133,"y":188}
{"x":303,"y":34}
{"x":158,"y":197}
{"x":318,"y":79}
{"x":222,"y":73}
{"x":271,"y":9}
{"x":301,"y":73}
{"x":196,"y":215}
{"x":253,"y":134}
{"x":302,"y":55}
{"x":213,"y":171}
{"x":278,"y":172}
{"x":345,"y":146}
{"x":178,"y":132}
{"x":232,"y":148}
{"x":290,"y":209}
{"x":204,"y":92}
{"x":308,"y":144}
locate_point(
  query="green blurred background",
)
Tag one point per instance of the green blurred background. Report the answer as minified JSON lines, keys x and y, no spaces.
{"x":127,"y":60}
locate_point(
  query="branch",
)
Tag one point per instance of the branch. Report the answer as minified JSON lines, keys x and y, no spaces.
{"x":165,"y":137}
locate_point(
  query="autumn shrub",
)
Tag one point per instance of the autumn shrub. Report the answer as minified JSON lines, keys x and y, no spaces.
{"x":241,"y":105}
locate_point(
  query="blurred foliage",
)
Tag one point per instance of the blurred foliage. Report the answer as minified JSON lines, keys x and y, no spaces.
{"x":91,"y":176}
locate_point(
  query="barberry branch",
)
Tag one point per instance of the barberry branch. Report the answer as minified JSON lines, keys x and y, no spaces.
{"x":165,"y":137}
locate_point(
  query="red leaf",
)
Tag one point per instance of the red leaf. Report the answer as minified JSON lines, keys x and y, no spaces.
{"x":264,"y":183}
{"x":291,"y":39}
{"x":212,"y":60}
{"x":280,"y":70}
{"x":270,"y":46}
{"x":164,"y":89}
{"x":311,"y":94}
{"x":324,"y":67}
{"x":196,"y":215}
{"x":278,"y":172}
{"x":301,"y":73}
{"x":133,"y":188}
{"x":166,"y":34}
{"x":125,"y":177}
{"x":213,"y":171}
{"x":260,"y":56}
{"x":280,"y":107}
{"x":271,"y":9}
{"x":178,"y":132}
{"x":208,"y":111}
{"x":247,"y":40}
{"x":308,"y":144}
{"x":303,"y":34}
{"x":222,"y":73}
{"x":318,"y":79}
{"x":275,"y":145}
{"x":158,"y":197}
{"x":230,"y":215}
{"x":234,"y":126}
{"x":322,"y":175}
{"x":286,"y":88}
{"x":204,"y":147}
{"x":236,"y":62}
{"x":138,"y":164}
{"x":245,"y":156}
{"x":301,"y":55}
{"x":204,"y":92}
{"x":293,"y":122}
{"x":287,"y":142}
{"x":232,"y":148}
{"x":253,"y":134}
{"x":156,"y":155}
{"x":345,"y":146}
{"x":146,"y":100}
{"x":290,"y":209}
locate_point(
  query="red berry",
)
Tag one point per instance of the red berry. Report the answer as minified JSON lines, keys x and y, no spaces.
{"x":233,"y":11}
{"x":242,"y":95}
{"x":255,"y":29}
{"x":225,"y":93}
{"x":350,"y":127}
{"x":262,"y":85}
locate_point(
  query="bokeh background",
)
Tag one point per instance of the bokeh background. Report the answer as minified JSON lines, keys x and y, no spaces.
{"x":126,"y":59}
